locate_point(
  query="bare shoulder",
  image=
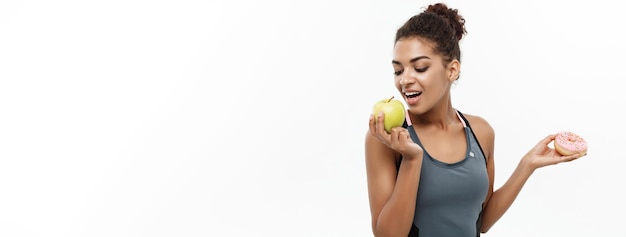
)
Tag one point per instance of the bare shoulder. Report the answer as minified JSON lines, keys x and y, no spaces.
{"x":374,"y":148}
{"x":483,"y":130}
{"x":480,"y":125}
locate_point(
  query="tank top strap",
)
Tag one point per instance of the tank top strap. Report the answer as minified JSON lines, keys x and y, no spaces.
{"x":407,"y":119}
{"x":412,"y":133}
{"x":458,"y":114}
{"x":473,"y":134}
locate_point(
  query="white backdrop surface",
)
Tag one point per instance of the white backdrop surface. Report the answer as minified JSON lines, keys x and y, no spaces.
{"x":247,"y":118}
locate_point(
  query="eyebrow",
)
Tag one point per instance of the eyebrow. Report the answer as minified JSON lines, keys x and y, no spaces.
{"x":412,"y":60}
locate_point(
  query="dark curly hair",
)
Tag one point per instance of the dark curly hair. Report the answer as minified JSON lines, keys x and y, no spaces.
{"x":441,"y":25}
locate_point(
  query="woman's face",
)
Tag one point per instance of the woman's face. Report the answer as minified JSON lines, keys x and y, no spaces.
{"x":420,"y":75}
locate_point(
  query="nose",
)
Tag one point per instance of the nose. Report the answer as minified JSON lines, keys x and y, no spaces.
{"x":406,"y":79}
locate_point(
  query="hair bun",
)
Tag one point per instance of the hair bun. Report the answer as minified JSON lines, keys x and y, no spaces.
{"x":457,"y":22}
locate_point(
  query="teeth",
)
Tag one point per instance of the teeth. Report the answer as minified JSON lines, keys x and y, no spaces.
{"x":411,"y":93}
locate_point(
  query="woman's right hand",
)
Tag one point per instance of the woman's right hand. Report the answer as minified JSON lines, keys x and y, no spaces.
{"x":399,"y":139}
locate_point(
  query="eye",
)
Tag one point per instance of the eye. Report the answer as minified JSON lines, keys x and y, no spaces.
{"x":421,"y":69}
{"x":398,"y":72}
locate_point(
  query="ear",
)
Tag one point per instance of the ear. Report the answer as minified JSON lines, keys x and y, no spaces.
{"x":454,"y":68}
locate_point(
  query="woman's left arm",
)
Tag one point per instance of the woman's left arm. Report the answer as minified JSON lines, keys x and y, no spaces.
{"x":499,"y":201}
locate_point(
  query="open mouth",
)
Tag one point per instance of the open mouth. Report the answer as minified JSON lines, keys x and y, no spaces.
{"x":412,"y":94}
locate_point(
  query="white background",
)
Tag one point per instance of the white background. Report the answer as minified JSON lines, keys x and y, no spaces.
{"x":247,"y":118}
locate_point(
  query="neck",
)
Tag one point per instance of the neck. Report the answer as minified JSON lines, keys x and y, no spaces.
{"x":441,"y":116}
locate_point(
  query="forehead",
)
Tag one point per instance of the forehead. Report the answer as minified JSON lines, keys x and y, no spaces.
{"x":407,"y":48}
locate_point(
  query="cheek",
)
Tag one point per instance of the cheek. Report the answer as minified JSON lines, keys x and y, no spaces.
{"x":437,"y":79}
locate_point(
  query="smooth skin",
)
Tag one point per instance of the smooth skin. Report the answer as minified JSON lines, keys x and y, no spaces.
{"x":392,"y":192}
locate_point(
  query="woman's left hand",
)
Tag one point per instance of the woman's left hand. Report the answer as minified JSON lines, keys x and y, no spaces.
{"x":541,"y":155}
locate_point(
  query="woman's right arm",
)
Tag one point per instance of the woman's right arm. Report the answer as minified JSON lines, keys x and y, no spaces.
{"x":392,"y":194}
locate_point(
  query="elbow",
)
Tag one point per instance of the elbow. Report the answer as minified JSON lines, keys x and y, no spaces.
{"x":380,"y":231}
{"x":484,"y":229}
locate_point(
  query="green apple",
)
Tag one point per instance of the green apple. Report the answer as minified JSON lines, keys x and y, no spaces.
{"x":393,"y":110}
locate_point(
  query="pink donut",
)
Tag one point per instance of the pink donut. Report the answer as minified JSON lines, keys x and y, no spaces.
{"x":569,"y":143}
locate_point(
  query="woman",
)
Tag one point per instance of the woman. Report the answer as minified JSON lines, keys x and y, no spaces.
{"x":434,"y":176}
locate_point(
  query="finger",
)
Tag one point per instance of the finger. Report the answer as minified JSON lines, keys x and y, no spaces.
{"x":573,"y":157}
{"x":401,"y":137}
{"x":380,"y":123}
{"x":401,"y":134}
{"x":380,"y":129}
{"x":404,"y":137}
{"x":395,"y":135}
{"x":400,"y":141}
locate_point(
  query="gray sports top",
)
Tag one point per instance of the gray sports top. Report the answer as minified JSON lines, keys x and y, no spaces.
{"x":450,"y":196}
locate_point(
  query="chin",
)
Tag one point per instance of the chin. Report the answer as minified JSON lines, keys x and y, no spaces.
{"x":416,"y":109}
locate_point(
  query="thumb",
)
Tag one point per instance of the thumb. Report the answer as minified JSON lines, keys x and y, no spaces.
{"x":547,"y":139}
